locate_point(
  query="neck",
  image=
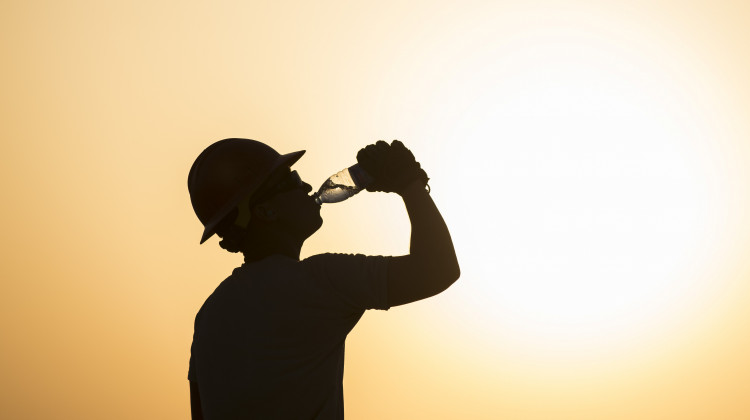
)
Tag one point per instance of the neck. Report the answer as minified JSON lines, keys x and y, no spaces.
{"x":274,"y":245}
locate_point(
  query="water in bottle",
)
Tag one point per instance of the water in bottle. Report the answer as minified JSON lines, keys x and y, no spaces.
{"x":343,"y":185}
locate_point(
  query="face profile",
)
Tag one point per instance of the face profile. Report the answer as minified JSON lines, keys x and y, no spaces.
{"x":287,"y":205}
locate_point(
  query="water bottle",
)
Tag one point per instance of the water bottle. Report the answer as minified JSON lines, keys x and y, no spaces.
{"x":343,"y":185}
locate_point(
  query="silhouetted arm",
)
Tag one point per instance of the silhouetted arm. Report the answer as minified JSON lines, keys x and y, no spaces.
{"x":195,"y":402}
{"x":431,"y":266}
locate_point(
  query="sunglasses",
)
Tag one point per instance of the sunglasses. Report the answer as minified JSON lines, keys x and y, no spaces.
{"x":291,"y":181}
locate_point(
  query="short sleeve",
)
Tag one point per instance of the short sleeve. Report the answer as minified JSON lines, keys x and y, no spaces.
{"x":358,"y":281}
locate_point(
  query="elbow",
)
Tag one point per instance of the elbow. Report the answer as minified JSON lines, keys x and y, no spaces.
{"x":450,"y":276}
{"x":455,"y":274}
{"x":441,"y":281}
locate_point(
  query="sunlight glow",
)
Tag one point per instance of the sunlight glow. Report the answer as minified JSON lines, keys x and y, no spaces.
{"x":589,"y":200}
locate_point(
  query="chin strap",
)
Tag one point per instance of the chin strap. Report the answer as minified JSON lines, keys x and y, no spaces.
{"x":243,"y":214}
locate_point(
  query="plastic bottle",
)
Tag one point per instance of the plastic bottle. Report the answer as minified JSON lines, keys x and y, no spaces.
{"x":343,"y":185}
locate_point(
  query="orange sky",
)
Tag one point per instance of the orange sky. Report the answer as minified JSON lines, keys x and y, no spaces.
{"x":590,"y":159}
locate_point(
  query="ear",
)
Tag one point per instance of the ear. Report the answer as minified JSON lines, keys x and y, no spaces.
{"x":264,"y":212}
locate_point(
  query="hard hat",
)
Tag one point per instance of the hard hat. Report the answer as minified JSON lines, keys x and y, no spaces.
{"x":228,"y":171}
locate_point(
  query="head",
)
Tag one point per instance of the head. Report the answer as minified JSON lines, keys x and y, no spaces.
{"x":281,"y":214}
{"x":243,"y":189}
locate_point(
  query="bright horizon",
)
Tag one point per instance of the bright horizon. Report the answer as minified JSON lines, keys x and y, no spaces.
{"x":589,"y":159}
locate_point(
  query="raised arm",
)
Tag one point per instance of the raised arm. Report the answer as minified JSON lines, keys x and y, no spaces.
{"x":431,"y":266}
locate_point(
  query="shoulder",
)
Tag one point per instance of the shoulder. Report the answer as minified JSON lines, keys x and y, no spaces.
{"x":331,"y":263}
{"x":357,"y":279}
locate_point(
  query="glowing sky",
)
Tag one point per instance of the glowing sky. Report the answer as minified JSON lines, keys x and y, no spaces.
{"x":589,"y":158}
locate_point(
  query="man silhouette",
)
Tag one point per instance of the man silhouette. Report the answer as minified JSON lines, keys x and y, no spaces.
{"x":269,"y":341}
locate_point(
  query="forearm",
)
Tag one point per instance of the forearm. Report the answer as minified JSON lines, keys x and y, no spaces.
{"x":431,"y":246}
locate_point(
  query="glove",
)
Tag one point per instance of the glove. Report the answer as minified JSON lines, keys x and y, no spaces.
{"x":392,"y":167}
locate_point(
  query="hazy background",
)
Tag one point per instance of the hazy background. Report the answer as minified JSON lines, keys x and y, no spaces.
{"x":590,"y":159}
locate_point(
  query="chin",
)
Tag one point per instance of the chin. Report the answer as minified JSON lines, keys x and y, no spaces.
{"x":317,"y":225}
{"x":311,"y":227}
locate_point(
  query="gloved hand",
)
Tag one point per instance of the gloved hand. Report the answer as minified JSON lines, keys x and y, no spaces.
{"x":392,"y":167}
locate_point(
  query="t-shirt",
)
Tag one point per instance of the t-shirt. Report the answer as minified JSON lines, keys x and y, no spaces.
{"x":269,"y":341}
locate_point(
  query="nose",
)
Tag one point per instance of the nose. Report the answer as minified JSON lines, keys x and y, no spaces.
{"x":306,"y":187}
